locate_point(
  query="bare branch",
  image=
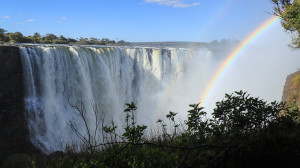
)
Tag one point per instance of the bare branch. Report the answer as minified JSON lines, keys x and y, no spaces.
{"x":184,"y":158}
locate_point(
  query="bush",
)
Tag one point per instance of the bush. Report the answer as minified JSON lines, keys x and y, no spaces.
{"x":243,"y":129}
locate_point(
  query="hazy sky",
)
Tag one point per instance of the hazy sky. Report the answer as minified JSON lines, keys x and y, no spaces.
{"x":136,"y":20}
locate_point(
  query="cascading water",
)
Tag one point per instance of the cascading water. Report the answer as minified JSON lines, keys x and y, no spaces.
{"x":58,"y":78}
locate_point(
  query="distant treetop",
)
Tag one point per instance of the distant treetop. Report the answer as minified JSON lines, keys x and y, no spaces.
{"x":18,"y":37}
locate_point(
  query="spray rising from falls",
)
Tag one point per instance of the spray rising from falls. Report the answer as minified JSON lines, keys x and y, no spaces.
{"x":99,"y":81}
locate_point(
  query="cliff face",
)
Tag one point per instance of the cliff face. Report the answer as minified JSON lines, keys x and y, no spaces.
{"x":291,"y":92}
{"x":14,"y":136}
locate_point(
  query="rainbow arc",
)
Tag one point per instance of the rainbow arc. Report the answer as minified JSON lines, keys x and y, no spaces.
{"x":232,"y":56}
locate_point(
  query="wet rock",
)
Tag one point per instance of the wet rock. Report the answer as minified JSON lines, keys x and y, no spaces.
{"x":14,"y":134}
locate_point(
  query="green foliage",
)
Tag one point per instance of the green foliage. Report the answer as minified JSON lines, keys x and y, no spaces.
{"x":240,"y":115}
{"x":133,"y":132}
{"x":17,"y":37}
{"x":3,"y":37}
{"x":36,"y":37}
{"x":49,"y":38}
{"x":197,"y":125}
{"x":241,"y":128}
{"x":289,"y":12}
{"x":2,"y":31}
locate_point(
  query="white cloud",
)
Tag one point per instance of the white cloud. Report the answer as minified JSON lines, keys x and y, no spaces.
{"x":173,"y":3}
{"x":89,"y":23}
{"x":64,"y":18}
{"x":6,"y":17}
{"x":30,"y":20}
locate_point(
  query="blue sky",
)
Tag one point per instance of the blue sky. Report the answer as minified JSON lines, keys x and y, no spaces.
{"x":136,"y":20}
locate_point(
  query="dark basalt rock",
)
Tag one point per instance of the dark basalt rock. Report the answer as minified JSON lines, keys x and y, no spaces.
{"x":14,"y":134}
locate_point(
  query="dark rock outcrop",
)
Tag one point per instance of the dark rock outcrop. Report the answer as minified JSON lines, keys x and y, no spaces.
{"x":291,"y":91}
{"x":14,"y":136}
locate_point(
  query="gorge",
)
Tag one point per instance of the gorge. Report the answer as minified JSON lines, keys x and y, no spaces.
{"x":51,"y":79}
{"x":41,"y":84}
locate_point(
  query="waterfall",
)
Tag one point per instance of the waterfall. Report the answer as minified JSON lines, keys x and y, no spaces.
{"x":60,"y":78}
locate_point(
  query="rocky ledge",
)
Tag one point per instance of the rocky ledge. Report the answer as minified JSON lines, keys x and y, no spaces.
{"x":291,"y":91}
{"x":14,"y":136}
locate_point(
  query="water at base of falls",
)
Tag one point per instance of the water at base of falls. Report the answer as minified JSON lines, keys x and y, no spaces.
{"x":60,"y":79}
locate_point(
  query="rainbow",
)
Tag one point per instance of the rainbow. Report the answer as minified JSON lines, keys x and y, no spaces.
{"x":218,"y":16}
{"x":232,"y":56}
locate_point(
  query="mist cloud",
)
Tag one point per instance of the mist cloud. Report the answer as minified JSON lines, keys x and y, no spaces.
{"x":173,"y":3}
{"x":6,"y":17}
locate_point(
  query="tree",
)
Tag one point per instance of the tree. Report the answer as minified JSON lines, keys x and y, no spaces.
{"x":61,"y":37}
{"x":105,"y":41}
{"x":36,"y":38}
{"x":60,"y":40}
{"x":121,"y":42}
{"x":93,"y":39}
{"x":17,"y":37}
{"x":2,"y":31}
{"x":289,"y":12}
{"x":70,"y":40}
{"x":240,"y":115}
{"x":3,"y":38}
{"x":49,"y":38}
{"x":83,"y":40}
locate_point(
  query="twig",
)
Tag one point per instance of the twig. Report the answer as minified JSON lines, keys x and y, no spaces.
{"x":184,"y":158}
{"x":170,"y":146}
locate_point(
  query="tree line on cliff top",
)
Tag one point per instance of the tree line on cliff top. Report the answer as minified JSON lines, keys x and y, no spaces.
{"x":287,"y":10}
{"x":18,"y":37}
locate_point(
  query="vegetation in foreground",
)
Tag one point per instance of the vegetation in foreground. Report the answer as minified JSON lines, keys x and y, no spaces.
{"x":18,"y":37}
{"x":244,"y":132}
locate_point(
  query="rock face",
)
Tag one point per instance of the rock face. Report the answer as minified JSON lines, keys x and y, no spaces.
{"x":14,"y":136}
{"x":291,"y":92}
